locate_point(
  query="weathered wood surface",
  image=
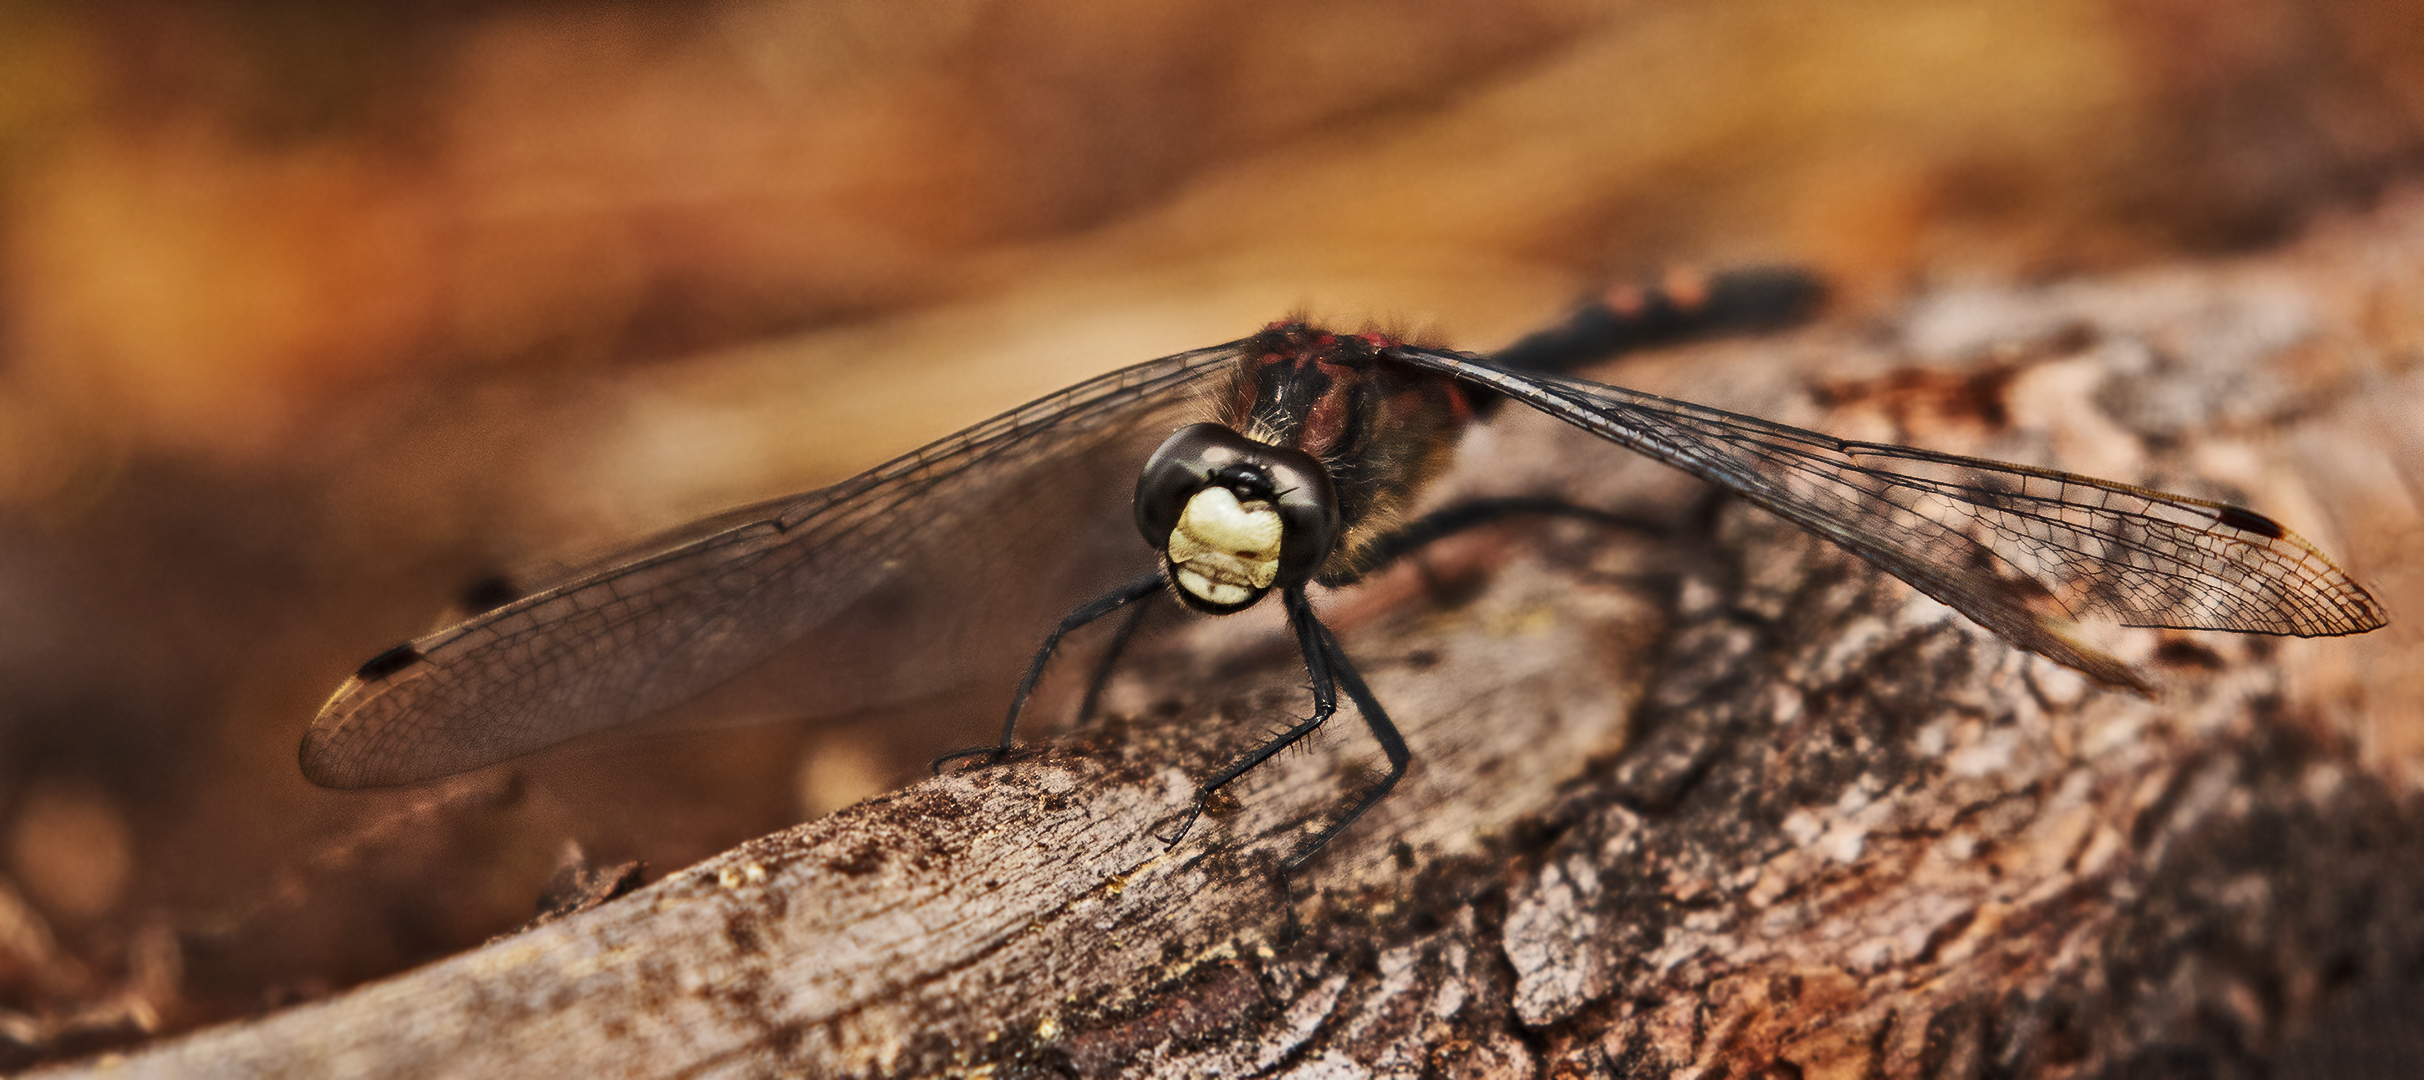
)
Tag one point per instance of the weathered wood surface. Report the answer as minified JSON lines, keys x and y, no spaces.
{"x":1716,"y":802}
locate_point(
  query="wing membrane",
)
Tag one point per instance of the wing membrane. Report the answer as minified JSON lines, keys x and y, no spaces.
{"x":2024,"y":552}
{"x":910,"y":571}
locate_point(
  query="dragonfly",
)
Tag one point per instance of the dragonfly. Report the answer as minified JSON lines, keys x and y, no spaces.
{"x":1289,"y":458}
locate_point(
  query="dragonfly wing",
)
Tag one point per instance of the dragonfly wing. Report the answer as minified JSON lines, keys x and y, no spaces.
{"x":943,"y":565}
{"x":2025,"y":552}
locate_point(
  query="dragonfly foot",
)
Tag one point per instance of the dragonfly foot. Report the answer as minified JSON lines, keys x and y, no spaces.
{"x":991,"y":754}
{"x":1193,"y":812}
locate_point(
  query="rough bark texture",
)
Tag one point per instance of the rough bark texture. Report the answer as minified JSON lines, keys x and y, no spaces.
{"x":1720,"y":801}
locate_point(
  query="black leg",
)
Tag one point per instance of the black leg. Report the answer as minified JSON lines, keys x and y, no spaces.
{"x":1330,"y":669}
{"x":1383,"y":732}
{"x":1309,"y":634}
{"x":1448,"y":521}
{"x":1085,"y":613}
{"x":1110,"y":660}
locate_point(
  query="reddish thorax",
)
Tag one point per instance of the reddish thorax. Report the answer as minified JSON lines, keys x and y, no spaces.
{"x":1383,"y":428}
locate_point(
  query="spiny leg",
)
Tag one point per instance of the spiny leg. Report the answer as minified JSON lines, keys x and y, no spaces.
{"x":1407,"y":539}
{"x":1327,"y":663}
{"x":1086,"y":613}
{"x":1325,"y":703}
{"x":1110,"y":660}
{"x":1384,"y":732}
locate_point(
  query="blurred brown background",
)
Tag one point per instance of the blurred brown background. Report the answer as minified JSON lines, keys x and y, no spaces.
{"x":311,"y":314}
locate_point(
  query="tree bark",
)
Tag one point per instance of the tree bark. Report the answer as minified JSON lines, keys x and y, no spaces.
{"x":1713,"y":799}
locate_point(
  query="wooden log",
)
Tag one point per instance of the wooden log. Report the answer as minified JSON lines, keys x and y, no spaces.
{"x":1714,"y":799}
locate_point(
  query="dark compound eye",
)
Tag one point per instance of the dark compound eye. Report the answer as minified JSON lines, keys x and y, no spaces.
{"x":1182,"y":467}
{"x":1212,"y":501}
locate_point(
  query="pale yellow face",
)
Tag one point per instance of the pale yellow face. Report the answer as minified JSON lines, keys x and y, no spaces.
{"x":1224,"y":551}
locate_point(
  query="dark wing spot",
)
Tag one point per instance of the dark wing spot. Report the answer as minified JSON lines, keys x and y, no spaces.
{"x":389,"y":662}
{"x":2250,"y":521}
{"x":489,"y":593}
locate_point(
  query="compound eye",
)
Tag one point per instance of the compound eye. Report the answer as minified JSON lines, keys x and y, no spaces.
{"x":1308,"y":508}
{"x":1184,"y":465}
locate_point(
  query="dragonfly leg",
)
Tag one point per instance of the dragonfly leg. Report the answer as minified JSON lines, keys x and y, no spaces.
{"x":1110,"y":660}
{"x":1384,"y":732}
{"x":1309,"y":634}
{"x":1448,"y":521}
{"x":1086,"y":613}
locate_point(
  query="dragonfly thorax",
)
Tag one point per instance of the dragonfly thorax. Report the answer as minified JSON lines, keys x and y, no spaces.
{"x":1234,"y":518}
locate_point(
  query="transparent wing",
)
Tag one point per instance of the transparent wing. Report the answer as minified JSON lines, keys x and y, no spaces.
{"x":2024,"y":552}
{"x":944,"y":565}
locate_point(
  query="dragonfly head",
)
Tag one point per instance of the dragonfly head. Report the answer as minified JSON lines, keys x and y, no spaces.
{"x":1234,"y":518}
